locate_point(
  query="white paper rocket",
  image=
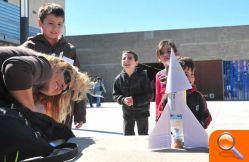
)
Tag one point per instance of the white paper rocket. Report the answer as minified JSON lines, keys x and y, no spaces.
{"x":194,"y":134}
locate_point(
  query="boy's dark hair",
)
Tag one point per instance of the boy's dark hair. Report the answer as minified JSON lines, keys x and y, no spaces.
{"x":99,"y":78}
{"x":186,"y":62}
{"x":51,"y":8}
{"x":133,"y":53}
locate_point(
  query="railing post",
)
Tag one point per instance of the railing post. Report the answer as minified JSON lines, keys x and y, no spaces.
{"x":24,"y":20}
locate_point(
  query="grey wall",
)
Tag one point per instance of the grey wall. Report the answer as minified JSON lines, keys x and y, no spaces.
{"x":100,"y":55}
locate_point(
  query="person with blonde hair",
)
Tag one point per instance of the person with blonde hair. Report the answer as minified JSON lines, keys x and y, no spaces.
{"x":51,"y":19}
{"x":59,"y":106}
{"x":28,"y":77}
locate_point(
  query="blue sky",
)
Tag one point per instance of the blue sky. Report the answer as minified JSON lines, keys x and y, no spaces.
{"x":86,"y":17}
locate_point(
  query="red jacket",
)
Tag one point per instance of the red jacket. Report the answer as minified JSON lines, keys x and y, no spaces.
{"x":160,"y":93}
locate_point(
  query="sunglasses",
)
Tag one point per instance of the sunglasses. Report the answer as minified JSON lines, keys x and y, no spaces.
{"x":67,"y":80}
{"x":67,"y":76}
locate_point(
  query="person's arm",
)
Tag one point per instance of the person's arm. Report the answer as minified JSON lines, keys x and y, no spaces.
{"x":24,"y":97}
{"x":144,"y":96}
{"x":73,"y":56}
{"x":103,"y":86}
{"x":80,"y":106}
{"x":77,"y":62}
{"x":19,"y":75}
{"x":117,"y":94}
{"x":158,"y":95}
{"x":201,"y":111}
{"x":18,"y":80}
{"x":79,"y":113}
{"x":28,"y":44}
{"x":206,"y":116}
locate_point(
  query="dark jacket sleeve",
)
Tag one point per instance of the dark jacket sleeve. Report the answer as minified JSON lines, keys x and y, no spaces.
{"x":145,"y":95}
{"x":79,"y":106}
{"x":28,"y":44}
{"x":80,"y":111}
{"x":204,"y":116}
{"x":73,"y":55}
{"x":207,"y":118}
{"x":117,"y":94}
{"x":17,"y":75}
{"x":23,"y":72}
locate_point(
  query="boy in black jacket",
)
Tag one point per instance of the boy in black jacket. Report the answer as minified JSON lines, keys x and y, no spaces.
{"x":132,"y":90}
{"x":195,"y":100}
{"x":51,"y":41}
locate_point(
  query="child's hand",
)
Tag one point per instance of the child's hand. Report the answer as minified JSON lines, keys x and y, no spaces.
{"x":163,"y":79}
{"x":128,"y":101}
{"x":78,"y":124}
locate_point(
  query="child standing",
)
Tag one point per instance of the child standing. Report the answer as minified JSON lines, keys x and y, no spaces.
{"x":163,"y":55}
{"x":51,"y":21}
{"x":99,"y":89}
{"x":195,"y":100}
{"x":132,"y":90}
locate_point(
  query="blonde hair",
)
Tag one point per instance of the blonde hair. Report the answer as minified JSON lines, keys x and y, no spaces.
{"x":59,"y":106}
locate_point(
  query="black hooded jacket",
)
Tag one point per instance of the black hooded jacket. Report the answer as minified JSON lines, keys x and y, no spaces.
{"x":138,"y":86}
{"x":198,"y":105}
{"x":40,"y":44}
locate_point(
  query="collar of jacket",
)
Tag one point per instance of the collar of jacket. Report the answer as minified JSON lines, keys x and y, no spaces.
{"x":192,"y":90}
{"x":138,"y":69}
{"x":40,"y":37}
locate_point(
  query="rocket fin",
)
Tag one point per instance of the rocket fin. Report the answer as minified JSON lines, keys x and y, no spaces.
{"x":194,"y":134}
{"x":160,"y":137}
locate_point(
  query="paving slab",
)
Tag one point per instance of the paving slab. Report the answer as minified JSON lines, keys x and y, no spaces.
{"x":101,"y":138}
{"x":131,"y":149}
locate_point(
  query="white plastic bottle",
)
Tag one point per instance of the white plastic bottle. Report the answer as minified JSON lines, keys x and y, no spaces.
{"x":176,"y":125}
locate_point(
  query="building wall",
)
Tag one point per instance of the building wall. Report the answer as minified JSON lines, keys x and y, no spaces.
{"x":100,"y":54}
{"x":208,"y":81}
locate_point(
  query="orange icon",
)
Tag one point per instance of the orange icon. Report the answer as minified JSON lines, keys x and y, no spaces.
{"x":226,"y":142}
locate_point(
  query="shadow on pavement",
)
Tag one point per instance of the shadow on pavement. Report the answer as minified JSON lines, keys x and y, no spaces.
{"x":82,"y":142}
{"x":186,"y":150}
{"x":98,"y":131}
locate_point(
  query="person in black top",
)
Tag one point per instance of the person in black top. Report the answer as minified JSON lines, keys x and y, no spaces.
{"x":28,"y":76}
{"x":51,"y":41}
{"x":195,"y":100}
{"x":132,"y":90}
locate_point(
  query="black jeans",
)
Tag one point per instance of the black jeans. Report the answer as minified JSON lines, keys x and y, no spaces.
{"x":90,"y":99}
{"x":142,"y":125}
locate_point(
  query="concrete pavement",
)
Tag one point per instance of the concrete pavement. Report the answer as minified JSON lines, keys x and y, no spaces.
{"x":107,"y":120}
{"x":101,"y":139}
